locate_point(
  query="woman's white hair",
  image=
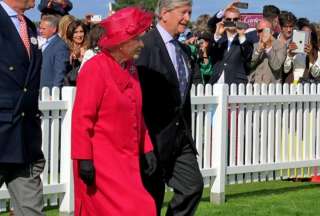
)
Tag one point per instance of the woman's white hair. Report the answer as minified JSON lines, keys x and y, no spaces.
{"x":170,"y":5}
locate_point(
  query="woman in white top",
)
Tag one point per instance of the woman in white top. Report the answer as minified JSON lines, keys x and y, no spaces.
{"x":94,"y":36}
{"x":304,"y":66}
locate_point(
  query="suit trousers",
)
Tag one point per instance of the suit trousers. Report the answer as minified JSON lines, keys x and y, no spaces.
{"x":24,"y":186}
{"x":186,"y":180}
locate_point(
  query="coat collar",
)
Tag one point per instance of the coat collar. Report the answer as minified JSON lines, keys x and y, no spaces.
{"x":121,"y":75}
{"x":163,"y":53}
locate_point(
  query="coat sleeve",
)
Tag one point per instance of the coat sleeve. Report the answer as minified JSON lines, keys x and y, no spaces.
{"x":146,"y":143}
{"x":90,"y":91}
{"x":61,"y":60}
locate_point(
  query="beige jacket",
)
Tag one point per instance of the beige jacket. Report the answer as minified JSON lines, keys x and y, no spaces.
{"x":266,"y":67}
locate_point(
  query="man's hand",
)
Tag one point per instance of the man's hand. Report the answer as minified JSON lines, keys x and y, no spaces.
{"x":292,"y":46}
{"x":220,"y":29}
{"x":241,"y":32}
{"x":61,"y":2}
{"x":86,"y":171}
{"x":230,"y":5}
{"x":151,"y":162}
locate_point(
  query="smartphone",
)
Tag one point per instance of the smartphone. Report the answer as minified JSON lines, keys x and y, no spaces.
{"x":300,"y":38}
{"x":96,"y":18}
{"x":228,"y":24}
{"x":266,"y":35}
{"x":241,"y":5}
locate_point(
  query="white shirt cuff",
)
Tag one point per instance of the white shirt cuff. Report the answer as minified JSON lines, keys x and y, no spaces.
{"x":217,"y":37}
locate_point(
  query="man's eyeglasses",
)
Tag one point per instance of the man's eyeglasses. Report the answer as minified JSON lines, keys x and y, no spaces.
{"x":232,"y":19}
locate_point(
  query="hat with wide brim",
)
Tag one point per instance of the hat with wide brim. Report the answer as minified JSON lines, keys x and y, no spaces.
{"x":124,"y":25}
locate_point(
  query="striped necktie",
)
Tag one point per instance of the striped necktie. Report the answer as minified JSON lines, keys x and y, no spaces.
{"x":24,"y":33}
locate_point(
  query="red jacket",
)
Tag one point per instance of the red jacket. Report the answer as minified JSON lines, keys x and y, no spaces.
{"x":108,"y":128}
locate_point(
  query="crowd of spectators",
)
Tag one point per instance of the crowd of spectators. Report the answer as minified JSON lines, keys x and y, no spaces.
{"x":224,"y":53}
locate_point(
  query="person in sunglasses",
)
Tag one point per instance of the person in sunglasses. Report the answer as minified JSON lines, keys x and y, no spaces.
{"x":230,"y":52}
{"x":268,"y":56}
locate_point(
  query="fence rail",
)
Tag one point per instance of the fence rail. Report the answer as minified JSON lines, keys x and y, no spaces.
{"x":244,"y":133}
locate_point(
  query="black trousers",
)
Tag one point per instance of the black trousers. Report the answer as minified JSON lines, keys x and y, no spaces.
{"x":186,"y":180}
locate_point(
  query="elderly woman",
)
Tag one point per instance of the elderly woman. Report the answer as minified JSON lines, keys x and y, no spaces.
{"x":108,"y":131}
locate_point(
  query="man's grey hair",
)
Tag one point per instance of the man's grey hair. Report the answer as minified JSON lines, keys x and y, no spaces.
{"x":52,"y":20}
{"x":170,"y":5}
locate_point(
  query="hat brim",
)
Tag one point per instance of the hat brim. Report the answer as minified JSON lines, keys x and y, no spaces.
{"x":106,"y":42}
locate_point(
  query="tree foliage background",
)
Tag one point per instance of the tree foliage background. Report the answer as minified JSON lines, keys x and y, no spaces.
{"x":147,"y":4}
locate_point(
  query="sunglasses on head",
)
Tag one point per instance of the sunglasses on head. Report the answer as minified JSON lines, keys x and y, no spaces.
{"x":232,"y":19}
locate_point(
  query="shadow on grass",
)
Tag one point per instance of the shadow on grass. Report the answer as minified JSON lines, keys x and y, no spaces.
{"x":263,"y":192}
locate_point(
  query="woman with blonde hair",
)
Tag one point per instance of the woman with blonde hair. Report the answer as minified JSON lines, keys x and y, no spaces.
{"x":63,"y":26}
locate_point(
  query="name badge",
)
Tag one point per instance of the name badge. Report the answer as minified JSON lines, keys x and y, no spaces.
{"x":34,"y":41}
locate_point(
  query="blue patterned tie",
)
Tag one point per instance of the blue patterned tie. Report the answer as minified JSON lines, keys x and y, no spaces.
{"x":181,"y":69}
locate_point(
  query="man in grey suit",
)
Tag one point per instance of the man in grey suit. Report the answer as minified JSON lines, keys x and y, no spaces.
{"x":268,"y":56}
{"x":55,"y":53}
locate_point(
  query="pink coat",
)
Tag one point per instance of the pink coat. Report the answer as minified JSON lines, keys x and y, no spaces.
{"x":108,"y":128}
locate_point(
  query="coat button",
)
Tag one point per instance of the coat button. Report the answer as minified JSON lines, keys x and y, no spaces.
{"x":11,"y":68}
{"x":25,"y":90}
{"x":177,"y":123}
{"x":225,"y":64}
{"x":23,"y":114}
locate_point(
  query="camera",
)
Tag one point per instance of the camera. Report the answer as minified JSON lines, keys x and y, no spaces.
{"x":242,"y":25}
{"x":200,"y":42}
{"x":229,"y":24}
{"x":241,"y":5}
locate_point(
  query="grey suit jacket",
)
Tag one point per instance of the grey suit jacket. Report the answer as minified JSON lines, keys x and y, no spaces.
{"x":267,"y":67}
{"x":55,"y":63}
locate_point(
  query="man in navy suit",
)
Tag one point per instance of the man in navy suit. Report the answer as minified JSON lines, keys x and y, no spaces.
{"x":21,"y":157}
{"x":165,"y":71}
{"x":231,"y":51}
{"x":270,"y":13}
{"x":55,"y":53}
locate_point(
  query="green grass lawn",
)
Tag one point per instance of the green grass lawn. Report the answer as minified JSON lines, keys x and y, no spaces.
{"x":277,"y":198}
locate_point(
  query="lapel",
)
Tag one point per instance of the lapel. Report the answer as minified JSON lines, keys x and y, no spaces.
{"x":233,"y":46}
{"x":10,"y":35}
{"x":162,"y":52}
{"x":52,"y":43}
{"x":35,"y":53}
{"x":120,"y":76}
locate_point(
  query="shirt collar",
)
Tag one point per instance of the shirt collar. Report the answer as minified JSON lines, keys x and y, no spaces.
{"x":51,"y":38}
{"x":167,"y":38}
{"x":232,"y":37}
{"x":8,"y":9}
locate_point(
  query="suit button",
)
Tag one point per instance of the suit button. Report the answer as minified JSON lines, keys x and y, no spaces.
{"x":225,"y":64}
{"x":177,"y":123}
{"x":23,"y":114}
{"x":25,"y":90}
{"x":11,"y":68}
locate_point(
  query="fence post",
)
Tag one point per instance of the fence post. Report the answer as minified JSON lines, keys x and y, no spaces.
{"x":217,"y":194}
{"x":67,"y":202}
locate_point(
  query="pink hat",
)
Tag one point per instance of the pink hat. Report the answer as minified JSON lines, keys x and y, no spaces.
{"x":124,"y":25}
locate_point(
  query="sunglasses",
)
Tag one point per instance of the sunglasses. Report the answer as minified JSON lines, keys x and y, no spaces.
{"x":259,"y":30}
{"x":232,"y":19}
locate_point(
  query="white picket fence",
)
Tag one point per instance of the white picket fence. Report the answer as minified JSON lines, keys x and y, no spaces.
{"x":243,"y":134}
{"x":56,"y":136}
{"x":251,"y":133}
